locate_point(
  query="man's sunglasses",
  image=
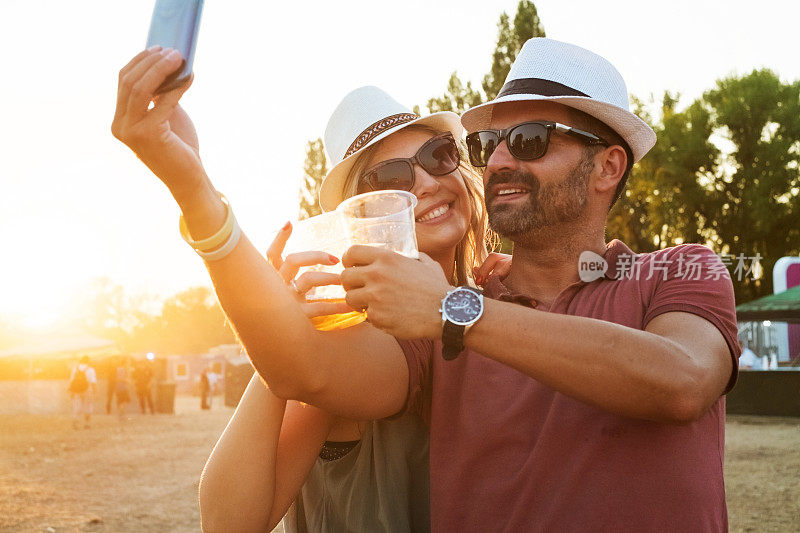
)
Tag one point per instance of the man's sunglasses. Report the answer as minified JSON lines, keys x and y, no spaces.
{"x":526,"y":141}
{"x":438,"y":156}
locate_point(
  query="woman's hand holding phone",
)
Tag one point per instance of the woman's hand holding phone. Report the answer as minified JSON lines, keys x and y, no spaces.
{"x":163,"y":135}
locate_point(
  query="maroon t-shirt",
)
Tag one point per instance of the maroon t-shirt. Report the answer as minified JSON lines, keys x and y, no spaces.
{"x":511,"y":454}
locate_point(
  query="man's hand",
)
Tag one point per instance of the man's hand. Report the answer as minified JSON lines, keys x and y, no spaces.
{"x":163,"y":136}
{"x":402,"y":295}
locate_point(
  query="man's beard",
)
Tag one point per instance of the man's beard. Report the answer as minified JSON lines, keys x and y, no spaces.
{"x":547,"y":206}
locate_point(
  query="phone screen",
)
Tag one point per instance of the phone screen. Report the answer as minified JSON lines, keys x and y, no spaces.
{"x":175,"y":24}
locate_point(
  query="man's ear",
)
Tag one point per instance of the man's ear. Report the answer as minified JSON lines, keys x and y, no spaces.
{"x":612,"y":162}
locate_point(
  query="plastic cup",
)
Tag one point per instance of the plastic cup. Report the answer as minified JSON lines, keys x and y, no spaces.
{"x":382,"y":218}
{"x":324,"y":233}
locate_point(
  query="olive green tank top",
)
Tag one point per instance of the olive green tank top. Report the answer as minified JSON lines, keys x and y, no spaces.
{"x":381,"y":485}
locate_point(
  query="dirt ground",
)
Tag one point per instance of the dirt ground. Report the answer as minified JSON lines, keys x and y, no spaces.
{"x":142,"y":475}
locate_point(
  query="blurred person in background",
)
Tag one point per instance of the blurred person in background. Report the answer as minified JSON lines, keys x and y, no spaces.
{"x":142,"y":380}
{"x":82,"y":389}
{"x":206,"y":387}
{"x":748,"y":359}
{"x":111,"y":381}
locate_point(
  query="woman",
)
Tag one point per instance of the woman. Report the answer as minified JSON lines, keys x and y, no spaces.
{"x":268,"y":449}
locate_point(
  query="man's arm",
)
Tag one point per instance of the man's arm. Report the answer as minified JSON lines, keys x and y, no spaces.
{"x":671,"y":372}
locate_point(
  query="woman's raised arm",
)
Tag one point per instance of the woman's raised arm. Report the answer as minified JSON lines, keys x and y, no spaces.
{"x":358,"y":372}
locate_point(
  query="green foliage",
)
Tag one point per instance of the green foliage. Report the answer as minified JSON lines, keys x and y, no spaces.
{"x":664,"y":197}
{"x":315,"y":169}
{"x":457,"y":98}
{"x":724,"y":172}
{"x":509,"y":42}
{"x":757,"y":207}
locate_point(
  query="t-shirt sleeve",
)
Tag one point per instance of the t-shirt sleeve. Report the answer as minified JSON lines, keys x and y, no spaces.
{"x":418,"y":353}
{"x":693,"y":279}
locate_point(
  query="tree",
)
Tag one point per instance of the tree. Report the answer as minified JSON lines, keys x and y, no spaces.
{"x":457,"y":98}
{"x":193,"y":322}
{"x":664,"y":202}
{"x":509,"y":42}
{"x":315,"y":169}
{"x":757,"y":207}
{"x":724,"y":172}
{"x":106,"y":311}
{"x":190,"y":321}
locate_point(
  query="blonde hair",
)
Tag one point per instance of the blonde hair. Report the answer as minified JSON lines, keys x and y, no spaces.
{"x":472,"y":250}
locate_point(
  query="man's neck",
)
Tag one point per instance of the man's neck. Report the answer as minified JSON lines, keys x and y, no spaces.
{"x":545,"y":264}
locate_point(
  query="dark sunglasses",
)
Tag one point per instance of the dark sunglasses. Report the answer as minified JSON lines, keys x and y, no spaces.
{"x":526,"y":141}
{"x":438,"y":156}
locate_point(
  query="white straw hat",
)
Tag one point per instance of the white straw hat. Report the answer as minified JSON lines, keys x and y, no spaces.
{"x":364,"y":117}
{"x":573,"y":76}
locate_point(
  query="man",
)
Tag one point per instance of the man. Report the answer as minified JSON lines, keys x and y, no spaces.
{"x":82,"y":388}
{"x":748,"y":359}
{"x":142,"y":378}
{"x":590,"y":392}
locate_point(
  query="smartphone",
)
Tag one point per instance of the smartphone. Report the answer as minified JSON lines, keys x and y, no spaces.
{"x":175,"y":24}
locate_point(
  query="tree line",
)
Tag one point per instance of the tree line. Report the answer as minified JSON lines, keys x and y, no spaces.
{"x":188,"y":322}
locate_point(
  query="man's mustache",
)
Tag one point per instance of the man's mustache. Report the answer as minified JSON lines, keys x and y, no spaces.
{"x":515,"y":177}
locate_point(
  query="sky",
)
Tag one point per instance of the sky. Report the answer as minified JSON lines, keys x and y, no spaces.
{"x":76,"y":204}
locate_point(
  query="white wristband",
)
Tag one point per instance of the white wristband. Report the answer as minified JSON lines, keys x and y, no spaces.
{"x":225,"y":249}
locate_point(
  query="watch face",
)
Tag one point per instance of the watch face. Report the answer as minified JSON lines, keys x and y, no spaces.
{"x":462,"y":307}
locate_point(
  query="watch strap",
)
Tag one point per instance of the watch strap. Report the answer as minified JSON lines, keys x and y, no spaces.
{"x":452,"y":340}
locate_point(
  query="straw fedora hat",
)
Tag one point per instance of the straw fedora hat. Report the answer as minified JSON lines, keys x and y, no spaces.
{"x":364,"y":117}
{"x":554,"y":71}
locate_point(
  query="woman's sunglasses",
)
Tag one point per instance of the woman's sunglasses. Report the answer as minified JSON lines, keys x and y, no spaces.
{"x":526,"y":141}
{"x":438,"y":156}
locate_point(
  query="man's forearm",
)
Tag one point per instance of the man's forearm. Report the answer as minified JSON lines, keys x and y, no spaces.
{"x":619,"y":369}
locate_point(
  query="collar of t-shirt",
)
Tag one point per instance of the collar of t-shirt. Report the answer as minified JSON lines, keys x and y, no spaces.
{"x":616,"y":253}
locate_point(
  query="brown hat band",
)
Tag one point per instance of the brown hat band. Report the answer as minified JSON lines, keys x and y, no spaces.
{"x":377,"y":128}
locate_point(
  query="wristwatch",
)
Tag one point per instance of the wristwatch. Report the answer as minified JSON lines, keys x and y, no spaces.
{"x":461,"y":308}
